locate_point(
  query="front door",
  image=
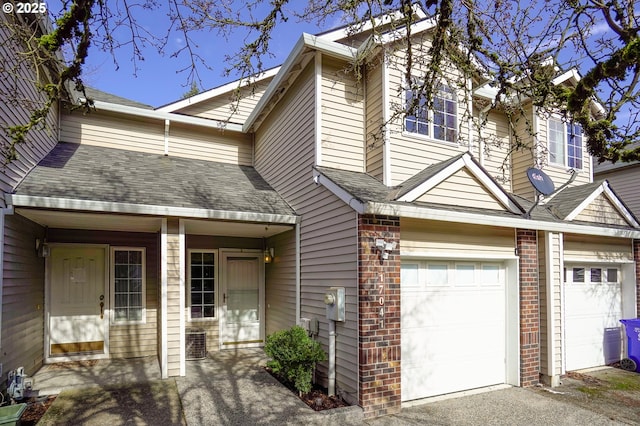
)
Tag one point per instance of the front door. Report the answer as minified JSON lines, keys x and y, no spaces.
{"x":77,"y":301}
{"x":242,"y":295}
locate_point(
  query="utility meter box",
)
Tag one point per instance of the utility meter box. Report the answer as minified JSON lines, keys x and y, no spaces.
{"x":334,"y":300}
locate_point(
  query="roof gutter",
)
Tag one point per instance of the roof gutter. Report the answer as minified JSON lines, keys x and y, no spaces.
{"x":160,"y":115}
{"x":427,"y":213}
{"x":147,"y":209}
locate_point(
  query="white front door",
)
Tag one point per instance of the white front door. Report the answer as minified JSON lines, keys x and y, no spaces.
{"x":77,"y":301}
{"x":242,"y":313}
{"x":453,"y":326}
{"x":593,"y":308}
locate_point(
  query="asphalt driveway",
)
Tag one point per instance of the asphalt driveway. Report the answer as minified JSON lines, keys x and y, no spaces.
{"x":232,"y":388}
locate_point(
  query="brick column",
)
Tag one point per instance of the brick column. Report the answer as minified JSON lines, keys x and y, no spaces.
{"x":379,"y":317}
{"x":636,"y":257}
{"x":526,"y":243}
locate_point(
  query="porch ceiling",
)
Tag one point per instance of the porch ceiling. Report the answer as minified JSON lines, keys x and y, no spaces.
{"x":131,"y":223}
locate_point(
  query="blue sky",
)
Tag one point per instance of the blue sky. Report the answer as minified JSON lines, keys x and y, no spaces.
{"x":157,"y":81}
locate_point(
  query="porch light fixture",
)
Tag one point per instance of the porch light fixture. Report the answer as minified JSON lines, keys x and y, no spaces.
{"x":268,"y":255}
{"x":42,"y":248}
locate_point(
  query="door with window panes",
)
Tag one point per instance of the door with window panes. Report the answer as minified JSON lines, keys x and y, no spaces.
{"x":593,"y":308}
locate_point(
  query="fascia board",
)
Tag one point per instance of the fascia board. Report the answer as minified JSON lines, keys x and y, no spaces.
{"x":426,"y":213}
{"x":339,"y":192}
{"x":430,"y":183}
{"x":306,"y":40}
{"x":491,"y":185}
{"x":210,"y":94}
{"x":400,"y":33}
{"x":160,"y":115}
{"x":145,"y":209}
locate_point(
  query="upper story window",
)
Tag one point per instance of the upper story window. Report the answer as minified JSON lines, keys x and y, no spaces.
{"x":565,"y":144}
{"x":440,"y":122}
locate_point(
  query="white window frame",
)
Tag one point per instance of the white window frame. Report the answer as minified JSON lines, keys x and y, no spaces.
{"x":447,"y":95}
{"x":143,"y":317}
{"x":216,"y":269}
{"x":561,"y":153}
{"x":604,"y":274}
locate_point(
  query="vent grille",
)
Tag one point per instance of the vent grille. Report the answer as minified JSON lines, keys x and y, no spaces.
{"x":196,"y":344}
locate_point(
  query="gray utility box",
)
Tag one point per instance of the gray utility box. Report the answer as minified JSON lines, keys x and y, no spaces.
{"x":334,"y":300}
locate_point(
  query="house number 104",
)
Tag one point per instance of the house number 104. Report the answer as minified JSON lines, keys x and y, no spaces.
{"x":381,"y":299}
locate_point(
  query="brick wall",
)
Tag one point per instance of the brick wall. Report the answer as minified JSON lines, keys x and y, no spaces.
{"x":379,"y":317}
{"x":636,"y":257}
{"x":529,"y":308}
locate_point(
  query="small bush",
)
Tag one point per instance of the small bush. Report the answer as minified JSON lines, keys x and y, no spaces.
{"x":294,"y":356}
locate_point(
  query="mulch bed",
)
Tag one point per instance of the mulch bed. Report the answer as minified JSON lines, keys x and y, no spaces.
{"x":317,"y":399}
{"x":36,"y":407}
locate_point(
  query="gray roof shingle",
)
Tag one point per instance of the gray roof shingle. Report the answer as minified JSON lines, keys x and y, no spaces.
{"x":111,"y":175}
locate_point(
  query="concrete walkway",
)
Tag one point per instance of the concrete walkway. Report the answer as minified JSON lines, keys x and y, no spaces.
{"x":232,"y":388}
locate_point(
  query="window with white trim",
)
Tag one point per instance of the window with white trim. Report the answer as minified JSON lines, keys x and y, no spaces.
{"x":202,"y":284}
{"x":440,"y":122}
{"x":128,"y":285}
{"x":565,"y":143}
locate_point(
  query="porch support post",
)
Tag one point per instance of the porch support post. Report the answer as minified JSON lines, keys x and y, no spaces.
{"x":163,"y":300}
{"x":636,"y":258}
{"x":183,"y":280}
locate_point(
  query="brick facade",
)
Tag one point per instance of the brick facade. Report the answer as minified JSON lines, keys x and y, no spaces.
{"x":379,"y":317}
{"x":526,"y":243}
{"x":636,"y":257}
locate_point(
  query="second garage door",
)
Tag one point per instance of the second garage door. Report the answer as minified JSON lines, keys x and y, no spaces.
{"x":593,"y":308}
{"x":453,"y":327}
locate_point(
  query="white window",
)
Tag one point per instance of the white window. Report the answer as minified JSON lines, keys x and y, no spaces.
{"x":565,"y":144}
{"x":128,"y":284}
{"x":202,"y":284}
{"x":440,"y":123}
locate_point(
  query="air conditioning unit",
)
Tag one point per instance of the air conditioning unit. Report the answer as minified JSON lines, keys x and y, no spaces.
{"x":196,"y":344}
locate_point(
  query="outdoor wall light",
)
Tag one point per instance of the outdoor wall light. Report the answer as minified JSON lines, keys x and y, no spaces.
{"x":384,"y":248}
{"x":42,"y":248}
{"x":268,"y":255}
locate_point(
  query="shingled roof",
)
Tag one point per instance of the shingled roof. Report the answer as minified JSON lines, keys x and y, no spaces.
{"x":85,"y":172}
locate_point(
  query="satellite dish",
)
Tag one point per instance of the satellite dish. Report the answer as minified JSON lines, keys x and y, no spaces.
{"x":540,"y":181}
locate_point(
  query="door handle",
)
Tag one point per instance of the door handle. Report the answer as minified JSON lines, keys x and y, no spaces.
{"x":101,"y":310}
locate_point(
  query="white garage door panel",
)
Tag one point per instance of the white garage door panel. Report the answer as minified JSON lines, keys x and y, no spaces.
{"x":453,"y":336}
{"x":592,"y":329}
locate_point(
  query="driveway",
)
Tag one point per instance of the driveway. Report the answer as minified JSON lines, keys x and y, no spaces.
{"x":232,"y":388}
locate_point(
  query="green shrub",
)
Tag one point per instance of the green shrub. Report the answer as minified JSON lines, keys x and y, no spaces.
{"x":294,"y":356}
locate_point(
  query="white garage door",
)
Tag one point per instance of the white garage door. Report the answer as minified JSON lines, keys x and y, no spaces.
{"x":453,"y":327}
{"x":593,"y":309}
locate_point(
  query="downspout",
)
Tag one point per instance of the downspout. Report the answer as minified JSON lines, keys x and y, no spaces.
{"x":298,"y":281}
{"x":167,"y":124}
{"x":3,"y":211}
{"x":534,"y":124}
{"x":386,"y":137}
{"x":470,"y":121}
{"x":484,"y":112}
{"x":318,"y":108}
{"x":331,"y":387}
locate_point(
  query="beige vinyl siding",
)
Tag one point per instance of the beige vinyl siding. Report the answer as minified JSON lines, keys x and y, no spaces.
{"x":280,"y":283}
{"x":113,"y":131}
{"x":173,"y":298}
{"x":221,"y":146}
{"x":19,"y":98}
{"x":462,"y":189}
{"x":625,"y":183}
{"x":524,"y":157}
{"x":495,"y":157}
{"x":129,"y":340}
{"x":374,"y":121}
{"x":601,"y":210}
{"x":547,"y":329}
{"x":22,"y":296}
{"x":145,"y":135}
{"x":433,"y":239}
{"x":342,"y":117}
{"x":227,"y":106}
{"x":285,"y":144}
{"x":584,"y":248}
